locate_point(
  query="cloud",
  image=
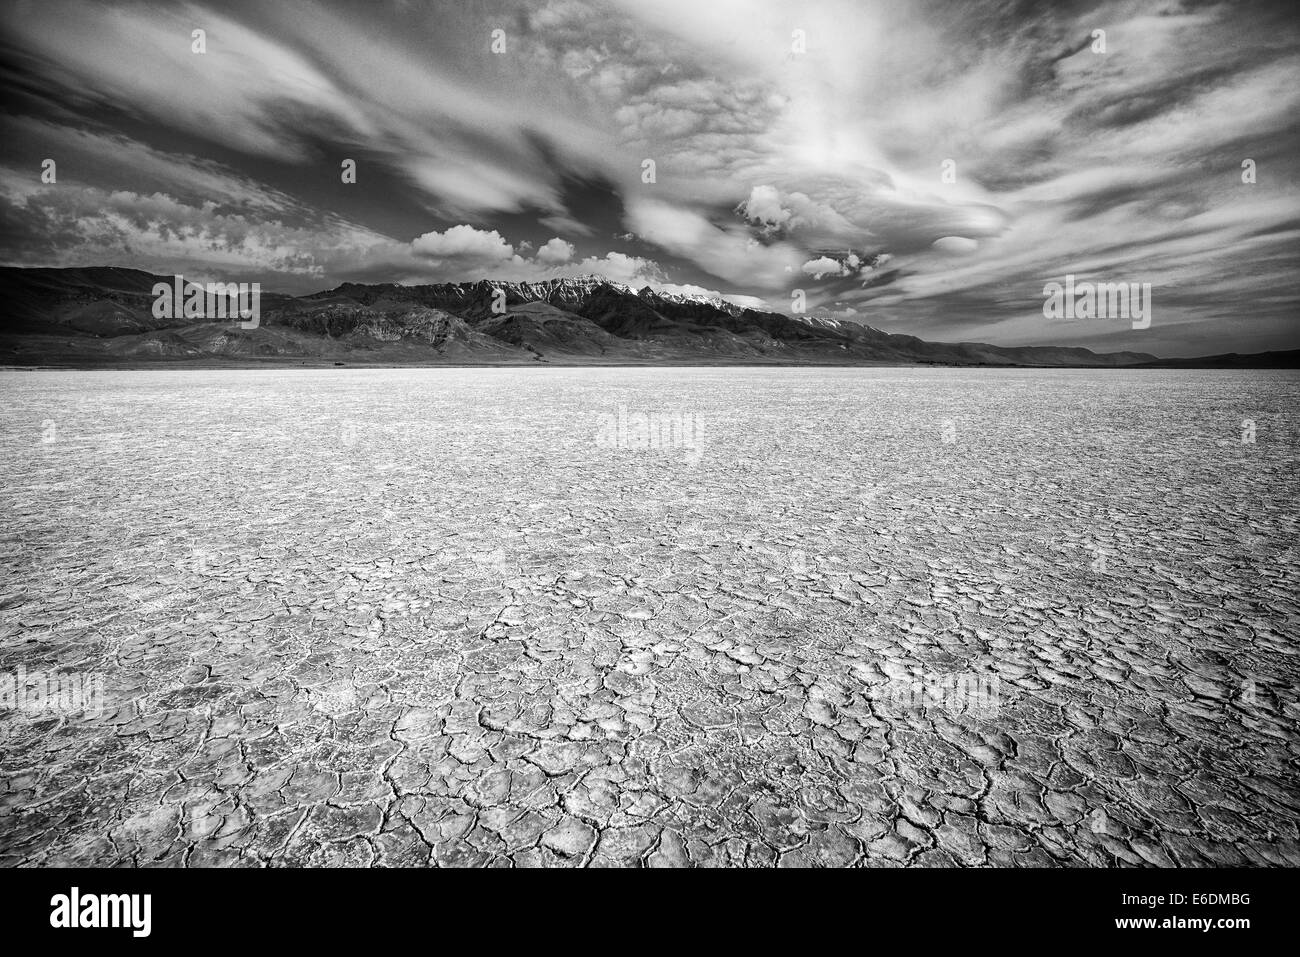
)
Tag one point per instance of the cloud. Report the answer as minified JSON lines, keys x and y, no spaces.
{"x":955,"y":245}
{"x":727,"y":252}
{"x":563,"y":222}
{"x":158,"y":233}
{"x":240,"y":91}
{"x":764,"y":206}
{"x":80,"y":225}
{"x":464,"y":242}
{"x":555,"y":252}
{"x":825,"y":266}
{"x":619,"y":267}
{"x":88,"y":155}
{"x":975,"y":153}
{"x":796,"y":215}
{"x":463,"y":252}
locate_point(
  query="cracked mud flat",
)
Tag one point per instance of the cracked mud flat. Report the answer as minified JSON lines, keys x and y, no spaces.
{"x":413,"y":617}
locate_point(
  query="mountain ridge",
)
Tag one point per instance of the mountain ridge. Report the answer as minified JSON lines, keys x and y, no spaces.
{"x":101,"y":315}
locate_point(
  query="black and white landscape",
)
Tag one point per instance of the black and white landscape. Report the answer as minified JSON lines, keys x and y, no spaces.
{"x":670,"y":434}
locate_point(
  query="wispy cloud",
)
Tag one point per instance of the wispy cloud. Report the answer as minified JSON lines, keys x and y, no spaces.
{"x":924,"y":166}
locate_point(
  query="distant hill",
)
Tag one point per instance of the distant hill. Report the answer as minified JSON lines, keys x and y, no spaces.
{"x":104,"y":316}
{"x":1288,"y":359}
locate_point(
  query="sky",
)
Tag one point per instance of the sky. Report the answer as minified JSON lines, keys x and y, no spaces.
{"x":924,"y":167}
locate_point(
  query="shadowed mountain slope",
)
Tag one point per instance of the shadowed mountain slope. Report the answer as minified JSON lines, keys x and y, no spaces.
{"x":105,"y":316}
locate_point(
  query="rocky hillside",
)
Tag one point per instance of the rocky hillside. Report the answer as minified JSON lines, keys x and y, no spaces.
{"x":105,"y":315}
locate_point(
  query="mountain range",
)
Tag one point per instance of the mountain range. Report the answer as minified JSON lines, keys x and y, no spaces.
{"x":104,"y":316}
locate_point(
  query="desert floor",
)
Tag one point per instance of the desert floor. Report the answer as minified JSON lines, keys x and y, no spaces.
{"x":458,"y":617}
